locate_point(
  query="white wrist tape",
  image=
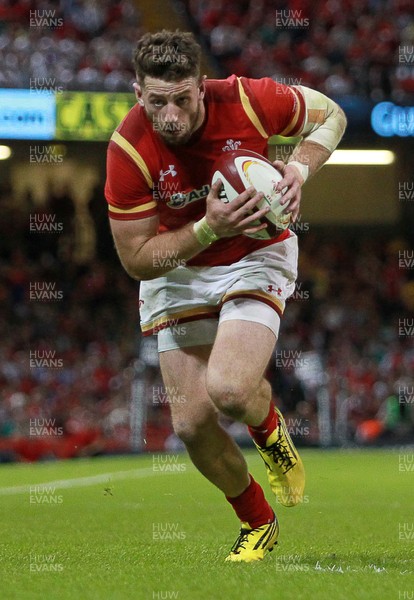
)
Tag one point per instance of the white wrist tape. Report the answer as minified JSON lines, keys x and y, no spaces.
{"x":203,"y":232}
{"x":325,"y":122}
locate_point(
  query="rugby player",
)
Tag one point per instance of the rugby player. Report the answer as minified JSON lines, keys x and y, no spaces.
{"x":216,"y":297}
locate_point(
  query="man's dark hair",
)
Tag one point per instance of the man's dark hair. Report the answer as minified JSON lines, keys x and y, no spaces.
{"x":167,"y":55}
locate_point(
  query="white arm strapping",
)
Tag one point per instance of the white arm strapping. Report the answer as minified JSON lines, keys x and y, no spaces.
{"x":325,"y":121}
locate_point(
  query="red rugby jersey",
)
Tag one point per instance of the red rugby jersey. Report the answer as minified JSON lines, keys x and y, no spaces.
{"x":146,"y":177}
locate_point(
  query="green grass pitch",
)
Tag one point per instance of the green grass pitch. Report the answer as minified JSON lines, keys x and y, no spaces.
{"x":132,"y":528}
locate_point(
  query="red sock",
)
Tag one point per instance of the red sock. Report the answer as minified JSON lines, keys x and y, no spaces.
{"x":261,"y":432}
{"x":251,"y":506}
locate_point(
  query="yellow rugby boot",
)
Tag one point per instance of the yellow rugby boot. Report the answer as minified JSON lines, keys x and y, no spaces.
{"x":252,"y":544}
{"x":285,"y":470}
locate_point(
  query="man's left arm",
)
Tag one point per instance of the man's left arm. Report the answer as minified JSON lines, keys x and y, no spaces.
{"x":323,"y":128}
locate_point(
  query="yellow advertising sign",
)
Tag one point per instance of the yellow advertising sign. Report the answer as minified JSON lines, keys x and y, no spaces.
{"x":91,"y":116}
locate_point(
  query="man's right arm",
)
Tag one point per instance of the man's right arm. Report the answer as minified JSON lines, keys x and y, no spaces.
{"x":139,"y":246}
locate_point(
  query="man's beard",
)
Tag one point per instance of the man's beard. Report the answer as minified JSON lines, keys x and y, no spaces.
{"x":180,"y":138}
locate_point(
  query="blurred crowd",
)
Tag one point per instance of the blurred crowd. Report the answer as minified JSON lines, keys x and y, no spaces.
{"x":68,"y":44}
{"x":74,"y":372}
{"x":68,"y":339}
{"x":341,"y":47}
{"x":350,"y":323}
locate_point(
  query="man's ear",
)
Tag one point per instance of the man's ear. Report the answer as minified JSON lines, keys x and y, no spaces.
{"x":138,"y":93}
{"x":202,"y":87}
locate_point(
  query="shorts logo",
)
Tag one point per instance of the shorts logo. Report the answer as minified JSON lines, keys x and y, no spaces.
{"x":170,"y":171}
{"x":271,"y":289}
{"x":231,"y":145}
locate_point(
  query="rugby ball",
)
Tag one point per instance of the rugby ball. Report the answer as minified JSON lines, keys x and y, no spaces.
{"x":240,"y":169}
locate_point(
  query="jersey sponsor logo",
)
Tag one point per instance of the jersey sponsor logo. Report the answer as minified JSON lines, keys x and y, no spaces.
{"x":181,"y":199}
{"x":231,"y":145}
{"x":223,"y":196}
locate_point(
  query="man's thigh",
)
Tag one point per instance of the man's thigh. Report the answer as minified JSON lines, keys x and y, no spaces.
{"x":241,"y":353}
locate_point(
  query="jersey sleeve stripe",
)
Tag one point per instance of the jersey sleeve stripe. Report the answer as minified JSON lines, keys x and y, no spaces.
{"x":135,"y":209}
{"x":248,"y":109}
{"x":134,"y":154}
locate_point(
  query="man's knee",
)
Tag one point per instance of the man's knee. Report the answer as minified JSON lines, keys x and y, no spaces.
{"x":229,"y":396}
{"x":232,"y":397}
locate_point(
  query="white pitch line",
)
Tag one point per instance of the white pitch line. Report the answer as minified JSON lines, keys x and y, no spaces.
{"x":81,"y":481}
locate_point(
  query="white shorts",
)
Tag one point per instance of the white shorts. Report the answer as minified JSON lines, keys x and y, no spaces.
{"x":185,"y":306}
